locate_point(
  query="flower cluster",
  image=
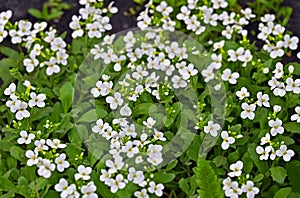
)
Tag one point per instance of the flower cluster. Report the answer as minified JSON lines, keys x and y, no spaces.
{"x":44,"y":47}
{"x":4,"y":17}
{"x":282,"y":83}
{"x":92,"y":19}
{"x":273,"y":35}
{"x":274,"y":148}
{"x":44,"y":155}
{"x":146,"y":61}
{"x":87,"y":189}
{"x":19,"y":102}
{"x":232,"y":188}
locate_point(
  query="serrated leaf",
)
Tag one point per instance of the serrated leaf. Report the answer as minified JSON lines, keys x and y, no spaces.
{"x":207,"y":180}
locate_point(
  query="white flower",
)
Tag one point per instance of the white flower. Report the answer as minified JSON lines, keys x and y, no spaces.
{"x":115,"y":101}
{"x":178,"y":82}
{"x":55,"y":143}
{"x":114,"y":166}
{"x":45,"y":168}
{"x":40,"y":145}
{"x":159,"y":135}
{"x":149,"y":123}
{"x":89,"y":190}
{"x":296,"y":117}
{"x":250,"y":189}
{"x":248,"y":111}
{"x":52,"y":66}
{"x":140,"y":73}
{"x":287,"y":154}
{"x":184,"y":13}
{"x":208,"y":74}
{"x":130,"y":150}
{"x":155,"y":151}
{"x":21,"y":111}
{"x":100,"y":127}
{"x":227,"y":183}
{"x":105,"y":176}
{"x":243,"y":93}
{"x":235,"y":55}
{"x":157,"y":189}
{"x":141,"y":194}
{"x":218,"y":45}
{"x":292,"y":85}
{"x":5,"y":16}
{"x":30,"y":63}
{"x":164,"y":8}
{"x":278,"y":72}
{"x":219,"y":4}
{"x":83,"y":172}
{"x":291,"y":43}
{"x":248,"y":13}
{"x":61,"y":57}
{"x":231,"y":77}
{"x":276,"y":127}
{"x":246,"y":57}
{"x":72,"y":192}
{"x":28,"y":85}
{"x":265,"y":139}
{"x":277,"y":51}
{"x":263,"y":100}
{"x":61,"y":162}
{"x":226,"y":140}
{"x":93,"y":31}
{"x":102,"y":88}
{"x":217,"y":61}
{"x":212,"y":128}
{"x":33,"y":157}
{"x":234,"y":191}
{"x":13,"y":104}
{"x":125,"y":111}
{"x":25,"y":138}
{"x":62,"y":186}
{"x":37,"y":100}
{"x":116,"y":184}
{"x":136,"y":176}
{"x":10,"y":90}
{"x":236,"y":169}
{"x":264,"y":153}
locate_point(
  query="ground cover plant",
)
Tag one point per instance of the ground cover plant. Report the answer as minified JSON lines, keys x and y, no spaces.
{"x":187,"y":104}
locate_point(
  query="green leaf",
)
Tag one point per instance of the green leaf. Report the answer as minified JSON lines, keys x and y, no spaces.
{"x":220,"y":160}
{"x":5,"y":145}
{"x":207,"y":180}
{"x":258,"y":177}
{"x":92,"y":115}
{"x":35,"y":13}
{"x":66,"y":96}
{"x":183,"y":185}
{"x":293,"y":172}
{"x":6,"y":184}
{"x":283,"y":192}
{"x":163,"y":177}
{"x":278,"y":174}
{"x":9,"y":52}
{"x":292,"y":127}
{"x":18,"y":153}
